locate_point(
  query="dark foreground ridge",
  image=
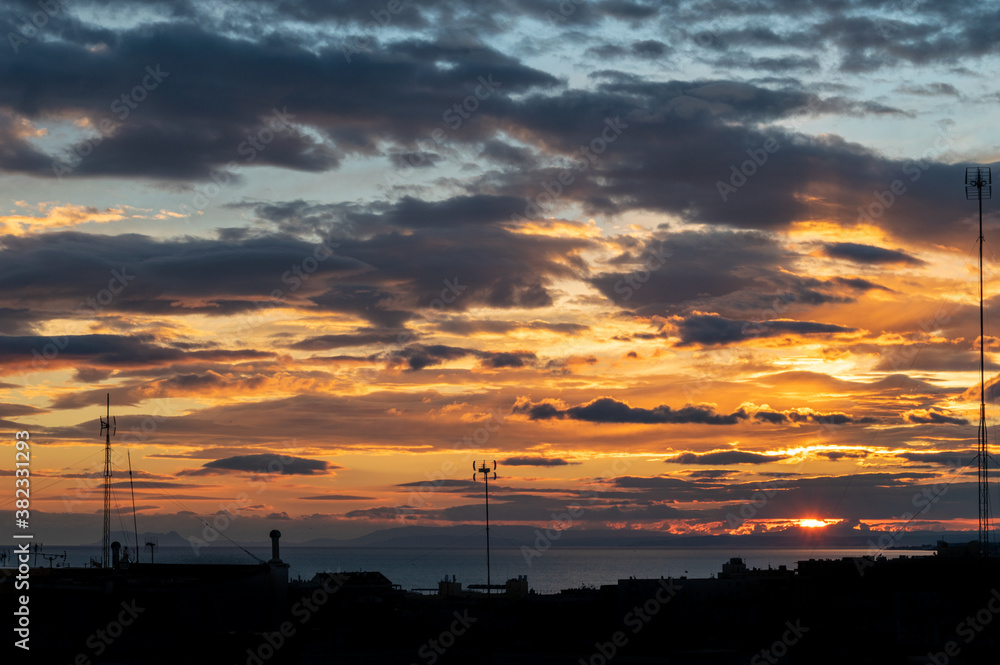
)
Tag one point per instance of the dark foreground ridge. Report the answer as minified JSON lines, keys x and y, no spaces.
{"x":939,"y":609}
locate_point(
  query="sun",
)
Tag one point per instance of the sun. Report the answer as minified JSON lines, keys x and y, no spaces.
{"x":810,"y":523}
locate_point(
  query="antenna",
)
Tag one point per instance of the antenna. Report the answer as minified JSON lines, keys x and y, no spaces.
{"x":135,"y":524}
{"x":51,"y":557}
{"x":151,"y":544}
{"x":485,"y":470}
{"x":109,"y":427}
{"x":978,"y":185}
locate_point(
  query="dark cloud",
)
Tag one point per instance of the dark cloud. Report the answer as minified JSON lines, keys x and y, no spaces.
{"x":609,"y":410}
{"x":323,"y":342}
{"x":527,"y":460}
{"x":107,"y":351}
{"x":860,"y":253}
{"x":14,"y":410}
{"x":220,"y":120}
{"x":725,"y":457}
{"x":508,"y":359}
{"x":419,"y":356}
{"x":85,"y":275}
{"x":265,"y":463}
{"x":711,"y":329}
{"x":805,"y":416}
{"x":336,"y":497}
{"x":930,"y":90}
{"x":70,"y":272}
{"x":956,"y":460}
{"x":466,"y":326}
{"x":835,"y":455}
{"x":442,"y":482}
{"x":860,"y":284}
{"x":934,"y":416}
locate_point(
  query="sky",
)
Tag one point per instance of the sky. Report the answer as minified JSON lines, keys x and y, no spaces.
{"x":684,"y":267}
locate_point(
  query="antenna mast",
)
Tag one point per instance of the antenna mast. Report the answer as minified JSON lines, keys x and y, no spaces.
{"x":109,"y":427}
{"x":485,"y":470}
{"x":978,"y":186}
{"x":135,"y":524}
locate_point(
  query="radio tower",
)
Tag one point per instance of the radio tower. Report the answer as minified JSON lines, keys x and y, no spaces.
{"x":978,"y":186}
{"x":485,"y":470}
{"x":109,"y":426}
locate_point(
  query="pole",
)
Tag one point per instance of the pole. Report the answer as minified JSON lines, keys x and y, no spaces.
{"x":485,"y":470}
{"x":984,"y":498}
{"x":106,"y":540}
{"x":135,"y":524}
{"x":488,"y":582}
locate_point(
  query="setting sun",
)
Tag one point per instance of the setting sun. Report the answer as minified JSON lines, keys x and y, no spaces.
{"x":816,"y":524}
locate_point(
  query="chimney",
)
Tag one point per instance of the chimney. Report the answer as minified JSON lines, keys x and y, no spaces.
{"x":275,"y":535}
{"x":115,"y":547}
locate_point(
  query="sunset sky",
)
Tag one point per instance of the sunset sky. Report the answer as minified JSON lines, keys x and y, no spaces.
{"x":654,"y":258}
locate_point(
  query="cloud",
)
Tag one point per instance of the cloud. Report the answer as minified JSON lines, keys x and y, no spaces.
{"x":336,"y":497}
{"x":107,"y":351}
{"x":610,"y":410}
{"x":528,"y":460}
{"x":508,"y":359}
{"x":210,"y":112}
{"x":54,"y":217}
{"x":860,"y":284}
{"x":419,"y":356}
{"x":712,"y":329}
{"x":725,"y":457}
{"x":933,"y":416}
{"x":860,"y":253}
{"x":265,"y":463}
{"x":804,"y":415}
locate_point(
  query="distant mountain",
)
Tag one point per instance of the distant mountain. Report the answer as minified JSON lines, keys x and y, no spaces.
{"x":172,"y":539}
{"x":474,"y":535}
{"x":471,"y":535}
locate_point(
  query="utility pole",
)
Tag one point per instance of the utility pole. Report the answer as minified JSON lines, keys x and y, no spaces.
{"x":978,"y":186}
{"x":109,"y":427}
{"x":485,"y":470}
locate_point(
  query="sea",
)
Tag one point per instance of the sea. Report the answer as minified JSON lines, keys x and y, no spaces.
{"x":551,"y":571}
